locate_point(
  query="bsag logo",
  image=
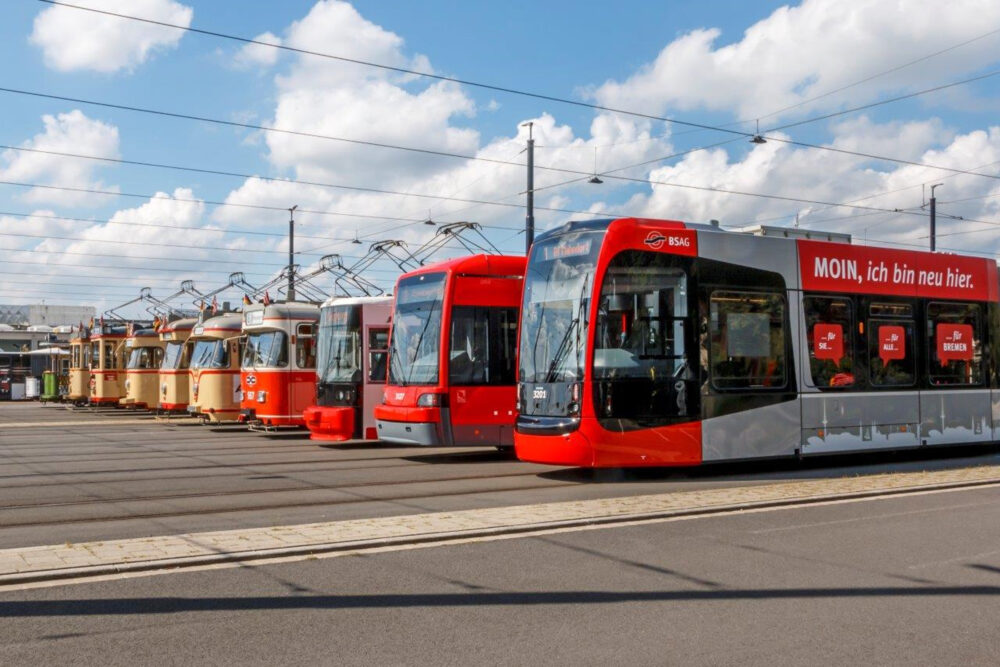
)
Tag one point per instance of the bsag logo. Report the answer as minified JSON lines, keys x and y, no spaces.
{"x":251,"y":380}
{"x":655,"y":240}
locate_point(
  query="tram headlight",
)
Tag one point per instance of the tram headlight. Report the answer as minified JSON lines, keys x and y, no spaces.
{"x":429,"y":401}
{"x":261,"y":396}
{"x":128,"y":385}
{"x":345,"y":395}
{"x":163,"y":389}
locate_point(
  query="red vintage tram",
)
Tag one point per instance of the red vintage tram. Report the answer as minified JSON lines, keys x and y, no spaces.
{"x":652,"y":342}
{"x":279,"y":363}
{"x":353,"y":352}
{"x":452,"y":354}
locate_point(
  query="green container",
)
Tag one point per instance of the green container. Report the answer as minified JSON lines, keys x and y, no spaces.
{"x":50,"y":386}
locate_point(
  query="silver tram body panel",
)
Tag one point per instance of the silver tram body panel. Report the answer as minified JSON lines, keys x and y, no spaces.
{"x":821,"y":422}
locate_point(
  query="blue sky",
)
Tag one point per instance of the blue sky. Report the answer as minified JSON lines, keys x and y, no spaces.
{"x":711,"y":63}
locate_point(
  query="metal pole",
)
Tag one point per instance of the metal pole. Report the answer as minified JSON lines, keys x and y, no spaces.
{"x":934,"y":217}
{"x":529,"y":220}
{"x":291,"y":253}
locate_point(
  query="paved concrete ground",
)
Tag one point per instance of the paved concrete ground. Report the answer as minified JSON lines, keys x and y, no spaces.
{"x":907,"y":580}
{"x":116,"y":475}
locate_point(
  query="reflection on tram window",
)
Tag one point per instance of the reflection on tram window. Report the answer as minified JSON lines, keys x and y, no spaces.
{"x":305,"y":346}
{"x":378,"y":355}
{"x":747,"y":340}
{"x":210,"y":354}
{"x":830,"y":332}
{"x":890,"y":345}
{"x":955,"y":355}
{"x":644,"y":375}
{"x":144,"y":358}
{"x":483,"y":342}
{"x":267,"y":349}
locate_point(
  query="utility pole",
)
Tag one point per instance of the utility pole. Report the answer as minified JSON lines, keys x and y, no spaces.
{"x":291,"y":253}
{"x":934,"y":216}
{"x":529,"y":219}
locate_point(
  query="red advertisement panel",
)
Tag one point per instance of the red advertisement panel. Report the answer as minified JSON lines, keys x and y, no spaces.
{"x":891,"y":343}
{"x":954,"y":341}
{"x":828,"y":342}
{"x":840,"y":267}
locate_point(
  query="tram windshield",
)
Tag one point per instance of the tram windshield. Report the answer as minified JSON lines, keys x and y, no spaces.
{"x":209,"y":354}
{"x":175,"y":357}
{"x":267,"y":349}
{"x":416,"y":330}
{"x":339,"y":352}
{"x":144,"y":358}
{"x":554,"y":320}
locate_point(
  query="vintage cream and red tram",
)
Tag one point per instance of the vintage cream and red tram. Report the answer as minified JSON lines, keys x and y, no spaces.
{"x":214,"y":368}
{"x":279,"y":363}
{"x":173,"y":375}
{"x":79,"y":367}
{"x":143,"y":356}
{"x":452,"y":354}
{"x":107,"y":364}
{"x":352,"y":363}
{"x":652,"y":342}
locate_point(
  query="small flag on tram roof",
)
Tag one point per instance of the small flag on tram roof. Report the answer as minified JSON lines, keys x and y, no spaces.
{"x":215,"y":305}
{"x":247,"y":300}
{"x":267,"y":298}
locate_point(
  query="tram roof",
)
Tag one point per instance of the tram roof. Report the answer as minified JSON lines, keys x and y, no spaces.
{"x":356,"y":300}
{"x":227,"y":323}
{"x":185,"y":324}
{"x":489,"y":265}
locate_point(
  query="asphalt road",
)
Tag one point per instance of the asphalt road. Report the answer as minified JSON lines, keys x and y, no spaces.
{"x":904,"y":580}
{"x":72,"y":476}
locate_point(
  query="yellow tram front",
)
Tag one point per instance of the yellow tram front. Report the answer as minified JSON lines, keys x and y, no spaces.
{"x":107,"y":365}
{"x":216,"y":349}
{"x":174,"y":377}
{"x":144,"y":354}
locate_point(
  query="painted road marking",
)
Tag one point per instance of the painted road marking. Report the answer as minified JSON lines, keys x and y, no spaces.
{"x":95,"y":422}
{"x":64,"y":561}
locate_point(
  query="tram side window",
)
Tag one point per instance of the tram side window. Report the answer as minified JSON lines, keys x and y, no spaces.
{"x":76,"y":356}
{"x":378,"y":355}
{"x":305,"y":346}
{"x":955,"y":354}
{"x":483,"y":346}
{"x":830,"y":330}
{"x":890,"y":345}
{"x":94,"y":360}
{"x":747,"y":340}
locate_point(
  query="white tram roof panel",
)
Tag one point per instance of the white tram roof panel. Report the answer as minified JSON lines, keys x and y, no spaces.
{"x":794,"y":233}
{"x":355,"y":300}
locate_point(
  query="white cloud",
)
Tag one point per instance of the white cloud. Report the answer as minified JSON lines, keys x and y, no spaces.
{"x":804,"y":51}
{"x":73,"y":39}
{"x":257,"y":55}
{"x":71,"y":132}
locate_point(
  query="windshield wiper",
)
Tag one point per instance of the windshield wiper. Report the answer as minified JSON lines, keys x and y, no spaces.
{"x":561,"y":351}
{"x":420,"y":339}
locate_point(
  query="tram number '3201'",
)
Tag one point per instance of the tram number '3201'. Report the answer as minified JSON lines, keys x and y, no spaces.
{"x":657,"y":240}
{"x":539,"y":394}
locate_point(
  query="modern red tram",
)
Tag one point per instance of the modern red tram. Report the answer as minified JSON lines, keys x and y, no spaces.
{"x":452,"y":354}
{"x":279,"y":363}
{"x":352,"y":362}
{"x":652,"y":342}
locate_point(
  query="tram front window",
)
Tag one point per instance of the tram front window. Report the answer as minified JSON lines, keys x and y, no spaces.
{"x":174,"y":357}
{"x":339,"y":345}
{"x":266,"y":349}
{"x":209,"y":354}
{"x":554,"y":321}
{"x":144,"y":358}
{"x":416,"y":330}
